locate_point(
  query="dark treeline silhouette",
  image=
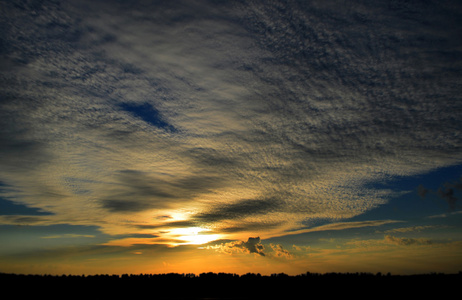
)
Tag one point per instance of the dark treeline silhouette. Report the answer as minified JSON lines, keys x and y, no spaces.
{"x":234,"y":286}
{"x":230,"y":276}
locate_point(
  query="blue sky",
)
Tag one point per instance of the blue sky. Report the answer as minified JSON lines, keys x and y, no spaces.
{"x":256,"y":136}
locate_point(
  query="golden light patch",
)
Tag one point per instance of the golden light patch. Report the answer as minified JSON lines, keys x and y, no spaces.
{"x":194,"y":235}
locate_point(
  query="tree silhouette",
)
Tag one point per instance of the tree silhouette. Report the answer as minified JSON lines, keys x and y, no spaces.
{"x":230,"y":285}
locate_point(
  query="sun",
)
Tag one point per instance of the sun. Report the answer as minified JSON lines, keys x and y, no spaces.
{"x":195,"y":235}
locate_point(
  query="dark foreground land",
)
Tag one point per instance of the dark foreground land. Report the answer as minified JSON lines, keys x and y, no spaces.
{"x":232,"y":286}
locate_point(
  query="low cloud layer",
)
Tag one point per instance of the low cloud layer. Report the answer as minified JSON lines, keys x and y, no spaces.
{"x":248,"y":117}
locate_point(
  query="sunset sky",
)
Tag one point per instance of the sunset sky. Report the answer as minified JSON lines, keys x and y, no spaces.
{"x":230,"y":136}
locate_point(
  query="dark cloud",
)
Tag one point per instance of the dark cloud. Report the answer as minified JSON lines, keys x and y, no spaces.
{"x":252,"y":245}
{"x":19,"y":150}
{"x":134,"y":235}
{"x":172,"y":224}
{"x":240,"y":209}
{"x":26,"y":220}
{"x":125,"y":205}
{"x":209,"y":157}
{"x":406,"y":241}
{"x":260,"y":225}
{"x":137,"y":191}
{"x":448,"y":195}
{"x":236,"y":212}
{"x":447,"y":192}
{"x":422,"y":191}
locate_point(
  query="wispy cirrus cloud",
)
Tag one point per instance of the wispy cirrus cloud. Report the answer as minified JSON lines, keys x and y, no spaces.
{"x":343,"y":226}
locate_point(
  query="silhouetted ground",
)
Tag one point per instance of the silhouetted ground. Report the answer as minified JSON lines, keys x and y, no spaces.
{"x":231,"y":286}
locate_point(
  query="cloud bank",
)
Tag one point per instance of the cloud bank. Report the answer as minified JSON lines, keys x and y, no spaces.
{"x":246,"y":117}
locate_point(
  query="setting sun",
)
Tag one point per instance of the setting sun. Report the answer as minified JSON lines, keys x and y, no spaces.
{"x":194,"y":236}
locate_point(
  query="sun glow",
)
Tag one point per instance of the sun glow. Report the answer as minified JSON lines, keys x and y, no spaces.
{"x":195,"y":235}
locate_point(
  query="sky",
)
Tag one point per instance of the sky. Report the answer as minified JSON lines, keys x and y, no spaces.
{"x":230,"y":136}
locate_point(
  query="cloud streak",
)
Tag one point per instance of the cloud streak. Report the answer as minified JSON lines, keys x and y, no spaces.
{"x":406,"y":241}
{"x":343,"y":226}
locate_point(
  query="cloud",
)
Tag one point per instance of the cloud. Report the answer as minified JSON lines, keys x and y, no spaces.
{"x":137,"y":191}
{"x":26,"y":220}
{"x":252,"y":245}
{"x":69,"y":235}
{"x":279,"y":251}
{"x":448,"y":195}
{"x":422,"y":191}
{"x":447,"y":192}
{"x":406,"y":241}
{"x":241,"y":116}
{"x":411,"y":229}
{"x":240,"y":209}
{"x":343,"y":226}
{"x":445,"y":215}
